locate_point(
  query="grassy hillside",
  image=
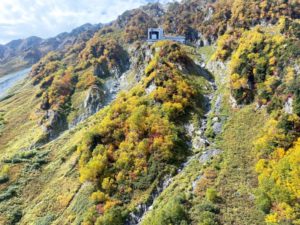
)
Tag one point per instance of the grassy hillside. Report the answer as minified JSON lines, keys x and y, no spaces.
{"x":43,"y":180}
{"x":237,"y":179}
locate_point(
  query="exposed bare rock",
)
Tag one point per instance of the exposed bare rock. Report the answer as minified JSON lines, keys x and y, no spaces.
{"x":288,"y":106}
{"x":52,"y":123}
{"x":207,"y":155}
{"x":93,"y":102}
{"x":217,"y":127}
{"x":233,"y":102}
{"x":150,"y":88}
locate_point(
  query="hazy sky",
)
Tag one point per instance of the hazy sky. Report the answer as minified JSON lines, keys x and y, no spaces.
{"x":46,"y":18}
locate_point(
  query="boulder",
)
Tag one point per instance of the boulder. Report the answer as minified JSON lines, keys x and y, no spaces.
{"x":288,"y":106}
{"x":217,"y":127}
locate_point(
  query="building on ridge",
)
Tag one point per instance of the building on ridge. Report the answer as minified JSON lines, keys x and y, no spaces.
{"x":157,"y":34}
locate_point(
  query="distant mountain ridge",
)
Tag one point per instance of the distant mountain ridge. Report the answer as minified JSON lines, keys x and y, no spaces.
{"x":21,"y":53}
{"x":200,"y":21}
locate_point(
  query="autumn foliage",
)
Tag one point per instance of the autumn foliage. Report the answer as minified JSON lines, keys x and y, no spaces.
{"x":138,"y":134}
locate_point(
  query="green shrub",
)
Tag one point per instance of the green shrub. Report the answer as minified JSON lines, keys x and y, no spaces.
{"x":207,"y":218}
{"x":98,"y":197}
{"x":263,"y":202}
{"x":285,"y":124}
{"x":9,"y":193}
{"x":208,"y":206}
{"x":296,"y":103}
{"x":45,"y":220}
{"x":211,"y":195}
{"x":114,"y":216}
{"x":15,"y":216}
{"x":4,"y":179}
{"x":27,"y":154}
{"x":173,"y":212}
{"x":2,"y":121}
{"x":4,"y":176}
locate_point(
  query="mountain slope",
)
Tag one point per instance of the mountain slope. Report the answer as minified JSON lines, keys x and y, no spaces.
{"x":23,"y":53}
{"x":113,"y":130}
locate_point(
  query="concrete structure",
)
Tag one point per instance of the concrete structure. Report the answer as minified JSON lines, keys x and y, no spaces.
{"x":157,"y":34}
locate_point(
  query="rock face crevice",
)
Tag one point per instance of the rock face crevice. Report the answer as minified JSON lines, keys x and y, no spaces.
{"x":52,"y":124}
{"x":93,"y":102}
{"x":115,"y":79}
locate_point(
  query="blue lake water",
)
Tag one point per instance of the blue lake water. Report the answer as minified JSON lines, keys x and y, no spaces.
{"x":10,"y":80}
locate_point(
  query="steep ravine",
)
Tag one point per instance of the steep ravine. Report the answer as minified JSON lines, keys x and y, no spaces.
{"x":198,"y":140}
